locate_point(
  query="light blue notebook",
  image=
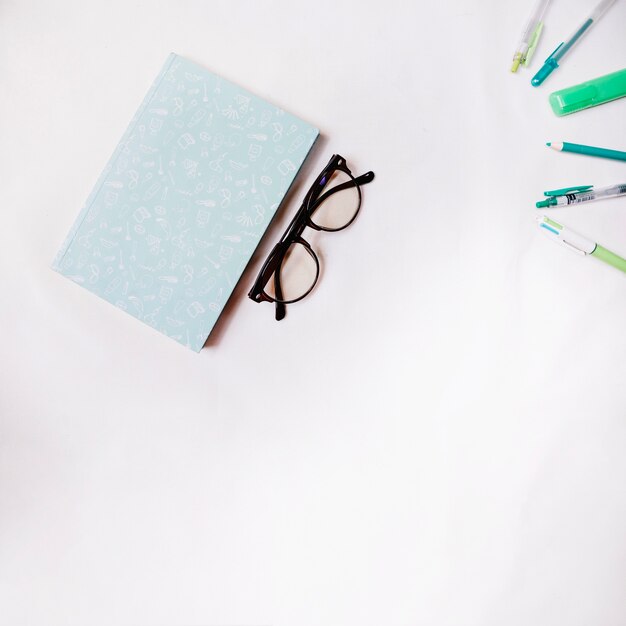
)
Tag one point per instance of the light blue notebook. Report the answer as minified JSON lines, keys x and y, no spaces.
{"x":184,"y":200}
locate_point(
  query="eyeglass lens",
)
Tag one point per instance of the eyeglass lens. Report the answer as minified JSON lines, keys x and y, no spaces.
{"x":298,"y":270}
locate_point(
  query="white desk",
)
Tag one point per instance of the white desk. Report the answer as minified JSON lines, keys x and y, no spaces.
{"x":435,"y":436}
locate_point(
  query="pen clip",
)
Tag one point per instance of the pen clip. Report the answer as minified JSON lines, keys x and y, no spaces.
{"x":563,"y":192}
{"x":574,"y":248}
{"x":554,"y":52}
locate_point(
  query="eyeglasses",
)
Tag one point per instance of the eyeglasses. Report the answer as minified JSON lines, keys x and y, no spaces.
{"x":292,"y":268}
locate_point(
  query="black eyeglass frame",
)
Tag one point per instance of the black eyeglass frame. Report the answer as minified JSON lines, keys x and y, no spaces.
{"x":303,"y":218}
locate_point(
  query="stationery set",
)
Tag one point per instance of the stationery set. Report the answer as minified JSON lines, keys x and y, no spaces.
{"x":589,"y":93}
{"x":185,"y":199}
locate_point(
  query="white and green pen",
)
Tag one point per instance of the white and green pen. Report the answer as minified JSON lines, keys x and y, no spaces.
{"x":576,"y":195}
{"x":578,"y":243}
{"x":530,"y":36}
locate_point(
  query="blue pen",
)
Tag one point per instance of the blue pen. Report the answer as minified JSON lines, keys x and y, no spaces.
{"x":552,"y":62}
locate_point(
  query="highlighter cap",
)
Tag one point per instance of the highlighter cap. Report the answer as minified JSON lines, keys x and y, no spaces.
{"x":589,"y":94}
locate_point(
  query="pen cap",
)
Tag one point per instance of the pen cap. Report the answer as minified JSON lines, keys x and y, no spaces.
{"x":589,"y":94}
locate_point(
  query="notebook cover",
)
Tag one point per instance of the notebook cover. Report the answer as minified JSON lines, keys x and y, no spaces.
{"x":184,"y":201}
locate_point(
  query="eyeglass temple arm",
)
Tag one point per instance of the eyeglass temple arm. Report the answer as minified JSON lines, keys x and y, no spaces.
{"x":281,"y":309}
{"x":361,"y":180}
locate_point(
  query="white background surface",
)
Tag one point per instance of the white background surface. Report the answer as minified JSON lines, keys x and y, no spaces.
{"x":436,"y":436}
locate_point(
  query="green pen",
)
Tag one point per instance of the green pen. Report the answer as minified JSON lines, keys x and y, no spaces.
{"x":563,"y":146}
{"x":530,"y":36}
{"x":563,"y":235}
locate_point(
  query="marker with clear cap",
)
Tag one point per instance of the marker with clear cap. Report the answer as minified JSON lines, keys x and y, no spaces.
{"x":530,"y":36}
{"x":552,"y":62}
{"x":576,"y":195}
{"x":579,"y":244}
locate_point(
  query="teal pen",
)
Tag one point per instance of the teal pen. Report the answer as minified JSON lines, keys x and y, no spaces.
{"x":563,"y":146}
{"x":576,"y":195}
{"x":552,"y":62}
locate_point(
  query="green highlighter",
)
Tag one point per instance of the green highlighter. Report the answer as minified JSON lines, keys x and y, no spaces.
{"x":589,"y":94}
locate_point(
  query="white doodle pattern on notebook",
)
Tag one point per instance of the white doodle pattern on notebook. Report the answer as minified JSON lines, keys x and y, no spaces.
{"x":184,"y":201}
